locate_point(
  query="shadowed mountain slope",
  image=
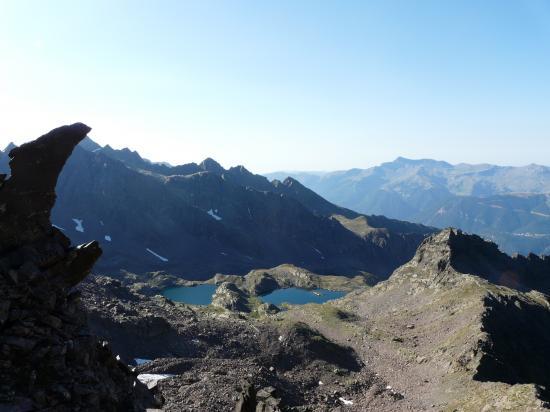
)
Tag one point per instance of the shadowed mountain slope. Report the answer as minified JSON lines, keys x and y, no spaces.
{"x":198,"y":220}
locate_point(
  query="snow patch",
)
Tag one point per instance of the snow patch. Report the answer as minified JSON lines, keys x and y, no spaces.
{"x":344,"y":401}
{"x":157,"y":255}
{"x":151,"y":379}
{"x":58,"y":227}
{"x":213,"y":213}
{"x":529,"y":234}
{"x":318,"y":251}
{"x":79,"y":227}
{"x":108,"y":238}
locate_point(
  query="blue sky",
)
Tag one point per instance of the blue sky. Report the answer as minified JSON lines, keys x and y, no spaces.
{"x":284,"y":85}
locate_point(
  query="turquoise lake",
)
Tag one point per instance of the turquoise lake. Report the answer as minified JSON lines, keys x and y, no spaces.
{"x":297,"y":296}
{"x":202,"y":295}
{"x":193,"y":295}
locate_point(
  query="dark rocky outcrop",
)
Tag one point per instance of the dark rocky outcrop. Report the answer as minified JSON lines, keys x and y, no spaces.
{"x":251,"y":400}
{"x":263,"y":281}
{"x":47,"y":359}
{"x":453,"y":251}
{"x":228,"y":296}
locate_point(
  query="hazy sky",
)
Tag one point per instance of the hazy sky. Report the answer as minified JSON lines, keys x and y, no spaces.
{"x":294,"y":85}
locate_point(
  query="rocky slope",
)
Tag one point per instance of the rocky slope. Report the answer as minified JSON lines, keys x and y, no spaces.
{"x":447,"y":339}
{"x":48,"y":360}
{"x":437,"y":335}
{"x":509,"y":205}
{"x":197,"y":220}
{"x":195,"y":352}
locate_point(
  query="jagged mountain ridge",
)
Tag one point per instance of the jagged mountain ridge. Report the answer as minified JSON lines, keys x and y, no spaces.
{"x":199,"y":219}
{"x":509,"y":205}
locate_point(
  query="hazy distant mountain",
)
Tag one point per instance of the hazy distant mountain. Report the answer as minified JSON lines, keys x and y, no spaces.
{"x":509,"y":205}
{"x":199,"y":219}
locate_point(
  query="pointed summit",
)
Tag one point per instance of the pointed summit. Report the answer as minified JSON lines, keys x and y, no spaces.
{"x":5,"y":159}
{"x":240,"y":169}
{"x":290,"y":181}
{"x":210,"y":165}
{"x":444,"y":257}
{"x":9,"y":147}
{"x":89,"y":145}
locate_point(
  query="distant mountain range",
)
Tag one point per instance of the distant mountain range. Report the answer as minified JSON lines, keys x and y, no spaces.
{"x":508,"y":205}
{"x":196,"y":220}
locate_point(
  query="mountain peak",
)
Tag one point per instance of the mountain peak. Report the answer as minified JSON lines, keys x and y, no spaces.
{"x":451,"y":247}
{"x":9,"y":147}
{"x":240,"y":169}
{"x":290,"y":181}
{"x":89,"y":145}
{"x":210,"y":165}
{"x":451,"y":253}
{"x":427,"y":162}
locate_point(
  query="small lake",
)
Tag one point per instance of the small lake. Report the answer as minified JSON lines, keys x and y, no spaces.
{"x":192,"y":295}
{"x":202,"y":295}
{"x":297,"y":296}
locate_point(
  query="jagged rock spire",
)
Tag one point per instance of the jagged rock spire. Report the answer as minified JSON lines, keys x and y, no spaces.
{"x":47,"y":361}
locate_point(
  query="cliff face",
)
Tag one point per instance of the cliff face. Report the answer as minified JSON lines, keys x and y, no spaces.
{"x":47,"y":359}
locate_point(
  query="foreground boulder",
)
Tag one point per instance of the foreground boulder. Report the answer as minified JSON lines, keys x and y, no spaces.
{"x":47,"y":358}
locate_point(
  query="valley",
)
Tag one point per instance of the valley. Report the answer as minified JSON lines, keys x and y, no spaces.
{"x":199,"y":210}
{"x":458,"y":326}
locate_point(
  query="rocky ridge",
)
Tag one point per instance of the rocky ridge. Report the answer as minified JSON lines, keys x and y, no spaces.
{"x":448,"y":339}
{"x":48,"y":360}
{"x":197,"y":220}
